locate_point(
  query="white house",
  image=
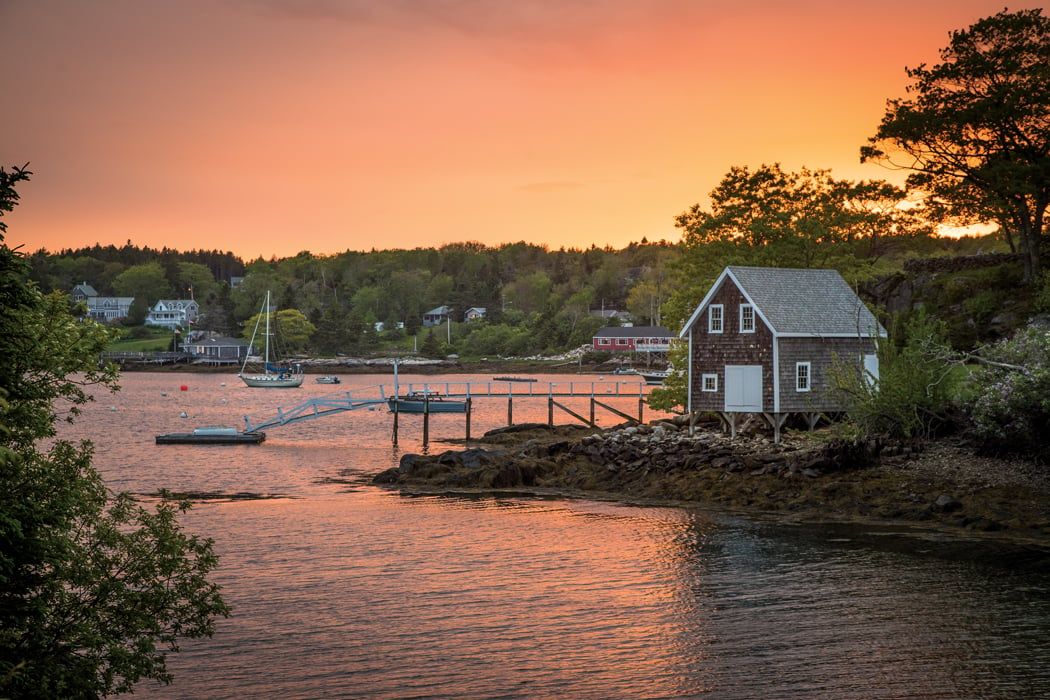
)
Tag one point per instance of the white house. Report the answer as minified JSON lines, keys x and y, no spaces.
{"x":173,"y":313}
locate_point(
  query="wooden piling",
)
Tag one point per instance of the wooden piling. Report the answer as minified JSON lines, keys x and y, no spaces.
{"x":467,"y":436}
{"x":426,"y":417}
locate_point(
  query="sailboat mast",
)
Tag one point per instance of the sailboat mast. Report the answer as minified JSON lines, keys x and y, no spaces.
{"x":267,"y":352}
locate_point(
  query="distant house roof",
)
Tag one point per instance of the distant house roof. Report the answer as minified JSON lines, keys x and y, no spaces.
{"x":175,"y":304}
{"x":98,"y":302}
{"x":216,"y":340}
{"x":84,"y":290}
{"x":798,"y":302}
{"x":439,"y":311}
{"x":634,"y":332}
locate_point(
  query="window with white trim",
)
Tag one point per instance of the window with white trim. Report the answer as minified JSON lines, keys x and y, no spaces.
{"x":714,"y":318}
{"x":802,"y":376}
{"x":747,"y":318}
{"x":709,"y":382}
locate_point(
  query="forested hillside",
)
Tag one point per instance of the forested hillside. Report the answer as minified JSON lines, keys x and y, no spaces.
{"x":537,"y":300}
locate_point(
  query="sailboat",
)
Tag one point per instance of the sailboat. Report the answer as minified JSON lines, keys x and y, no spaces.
{"x":274,"y":375}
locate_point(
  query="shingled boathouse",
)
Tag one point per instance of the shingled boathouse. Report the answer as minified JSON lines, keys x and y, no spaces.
{"x":763,"y":341}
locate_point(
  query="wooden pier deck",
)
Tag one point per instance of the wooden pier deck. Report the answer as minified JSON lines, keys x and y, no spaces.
{"x":598,"y":393}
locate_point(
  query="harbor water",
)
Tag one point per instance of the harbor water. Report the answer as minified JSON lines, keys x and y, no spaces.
{"x":340,"y":589}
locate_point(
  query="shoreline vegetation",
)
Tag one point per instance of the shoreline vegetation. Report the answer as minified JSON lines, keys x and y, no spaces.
{"x":933,"y":487}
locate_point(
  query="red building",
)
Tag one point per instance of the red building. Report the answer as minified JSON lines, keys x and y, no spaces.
{"x":632,"y":339}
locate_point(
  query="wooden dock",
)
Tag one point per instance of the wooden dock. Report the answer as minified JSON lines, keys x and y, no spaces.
{"x":599,"y":394}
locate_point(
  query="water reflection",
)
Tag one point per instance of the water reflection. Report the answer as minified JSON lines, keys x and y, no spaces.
{"x":363,"y":593}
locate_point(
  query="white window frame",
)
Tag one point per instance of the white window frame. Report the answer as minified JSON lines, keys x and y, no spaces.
{"x":712,"y":327}
{"x":751,"y":308}
{"x":803,"y":376}
{"x":704,"y":386}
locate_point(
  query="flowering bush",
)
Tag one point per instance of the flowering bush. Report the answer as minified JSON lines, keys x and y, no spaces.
{"x":1011,"y":409}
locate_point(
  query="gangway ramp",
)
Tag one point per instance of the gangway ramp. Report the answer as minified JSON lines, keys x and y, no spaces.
{"x":316,"y":407}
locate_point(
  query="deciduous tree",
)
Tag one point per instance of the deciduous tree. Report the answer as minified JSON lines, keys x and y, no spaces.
{"x":975,"y":132}
{"x":95,"y":589}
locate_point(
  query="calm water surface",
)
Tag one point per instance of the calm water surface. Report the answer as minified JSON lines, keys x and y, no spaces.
{"x":343,"y":590}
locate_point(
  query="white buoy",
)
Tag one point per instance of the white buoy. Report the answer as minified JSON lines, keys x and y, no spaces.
{"x":163,"y":393}
{"x":223,"y":384}
{"x":183,"y":415}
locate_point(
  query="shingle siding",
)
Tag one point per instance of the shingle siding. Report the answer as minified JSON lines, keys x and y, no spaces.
{"x":712,"y":352}
{"x":821,"y":354}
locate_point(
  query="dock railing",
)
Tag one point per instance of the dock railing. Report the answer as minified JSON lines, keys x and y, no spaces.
{"x":365,"y":397}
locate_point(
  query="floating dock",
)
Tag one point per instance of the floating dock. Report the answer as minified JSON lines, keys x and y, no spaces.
{"x":212,"y":436}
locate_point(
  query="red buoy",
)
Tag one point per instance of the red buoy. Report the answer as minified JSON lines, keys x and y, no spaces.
{"x":183,"y":387}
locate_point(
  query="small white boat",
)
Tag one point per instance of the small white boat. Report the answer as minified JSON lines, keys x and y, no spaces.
{"x":656,"y":376}
{"x":273,"y":376}
{"x":328,"y":379}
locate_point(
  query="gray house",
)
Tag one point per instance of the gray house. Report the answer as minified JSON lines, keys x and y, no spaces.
{"x":102,"y":309}
{"x":212,"y":348}
{"x":764,"y":340}
{"x":435,"y":317}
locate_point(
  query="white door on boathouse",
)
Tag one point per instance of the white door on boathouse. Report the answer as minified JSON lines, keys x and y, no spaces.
{"x":743,"y":388}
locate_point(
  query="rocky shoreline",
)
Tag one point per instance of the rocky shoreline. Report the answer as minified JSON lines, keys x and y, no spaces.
{"x":806,"y":478}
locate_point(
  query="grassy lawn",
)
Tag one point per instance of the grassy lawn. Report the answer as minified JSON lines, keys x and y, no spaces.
{"x":155,"y":340}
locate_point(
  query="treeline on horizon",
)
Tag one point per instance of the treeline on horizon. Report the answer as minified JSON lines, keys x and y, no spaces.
{"x":536,"y":300}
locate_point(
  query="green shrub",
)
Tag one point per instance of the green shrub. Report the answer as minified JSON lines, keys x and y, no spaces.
{"x":912,"y":396}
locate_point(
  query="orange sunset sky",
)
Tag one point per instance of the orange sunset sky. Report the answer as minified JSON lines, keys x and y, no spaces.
{"x":270,"y":127}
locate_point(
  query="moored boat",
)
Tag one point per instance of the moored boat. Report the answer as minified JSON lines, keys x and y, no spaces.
{"x":418,"y":402}
{"x":654,"y":376}
{"x":273,"y":376}
{"x":328,"y":379}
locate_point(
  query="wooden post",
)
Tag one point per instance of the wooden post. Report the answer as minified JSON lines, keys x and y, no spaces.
{"x":641,"y":405}
{"x":396,"y":405}
{"x":510,"y":409}
{"x":426,"y":416}
{"x":467,"y":437}
{"x":592,"y":408}
{"x":550,"y":411}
